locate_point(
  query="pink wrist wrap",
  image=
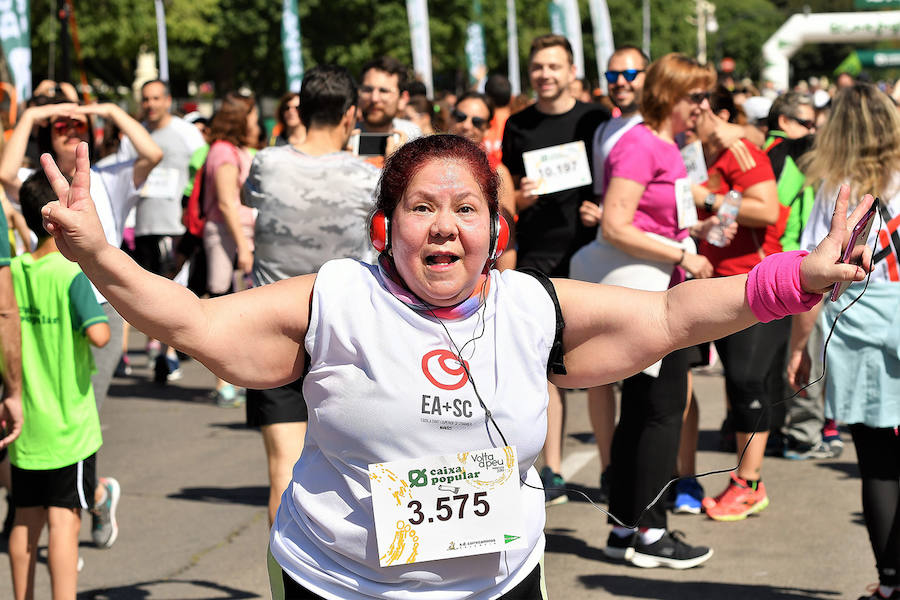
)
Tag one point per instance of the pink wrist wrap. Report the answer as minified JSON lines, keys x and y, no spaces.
{"x":773,"y":287}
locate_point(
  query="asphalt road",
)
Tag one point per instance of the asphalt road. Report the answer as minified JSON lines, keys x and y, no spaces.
{"x":193,"y":516}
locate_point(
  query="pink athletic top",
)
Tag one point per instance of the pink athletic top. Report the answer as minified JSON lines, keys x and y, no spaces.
{"x":221,"y":153}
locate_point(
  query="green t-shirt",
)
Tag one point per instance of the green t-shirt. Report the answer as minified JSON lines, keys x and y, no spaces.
{"x":56,"y":305}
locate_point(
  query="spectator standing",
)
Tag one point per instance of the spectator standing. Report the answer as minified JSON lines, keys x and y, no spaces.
{"x":549,"y":230}
{"x":625,"y":76}
{"x":54,"y":460}
{"x":314,"y":200}
{"x":290,"y":126}
{"x":157,"y":225}
{"x":857,"y":151}
{"x":383,"y":97}
{"x":792,"y":125}
{"x":228,"y":231}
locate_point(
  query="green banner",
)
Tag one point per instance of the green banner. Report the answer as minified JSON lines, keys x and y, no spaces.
{"x":861,"y":59}
{"x":476,"y":59}
{"x":15,"y":38}
{"x":290,"y":45}
{"x":875,"y":4}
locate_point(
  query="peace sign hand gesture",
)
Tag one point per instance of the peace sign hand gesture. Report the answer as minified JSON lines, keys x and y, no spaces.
{"x":73,"y":220}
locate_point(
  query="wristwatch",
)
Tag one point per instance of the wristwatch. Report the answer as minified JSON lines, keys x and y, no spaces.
{"x":710,"y":203}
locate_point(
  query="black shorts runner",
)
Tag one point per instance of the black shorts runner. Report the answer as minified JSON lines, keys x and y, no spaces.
{"x":66,"y":487}
{"x":284,"y":404}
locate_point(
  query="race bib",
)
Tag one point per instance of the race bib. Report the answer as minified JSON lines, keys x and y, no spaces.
{"x":162,"y":183}
{"x":695,"y":162}
{"x":449,"y":506}
{"x":684,"y":198}
{"x":558,"y":168}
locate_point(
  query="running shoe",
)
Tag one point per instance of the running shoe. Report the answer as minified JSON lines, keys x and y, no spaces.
{"x":554,"y":487}
{"x":875,"y":593}
{"x":738,"y":501}
{"x":832,"y":436}
{"x":123,"y":369}
{"x":175,"y":372}
{"x":819,"y":450}
{"x":153,"y":350}
{"x":229,"y":397}
{"x":618,"y":547}
{"x":104,"y":529}
{"x":669,"y":551}
{"x":688,"y":496}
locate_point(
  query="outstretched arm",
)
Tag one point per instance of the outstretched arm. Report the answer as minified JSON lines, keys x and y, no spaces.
{"x":614,"y":332}
{"x":253,"y":338}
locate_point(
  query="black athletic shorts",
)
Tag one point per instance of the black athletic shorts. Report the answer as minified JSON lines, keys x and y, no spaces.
{"x":283,"y":404}
{"x":66,"y":487}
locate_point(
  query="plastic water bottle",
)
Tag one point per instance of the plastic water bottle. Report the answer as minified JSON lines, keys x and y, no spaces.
{"x":727,"y":214}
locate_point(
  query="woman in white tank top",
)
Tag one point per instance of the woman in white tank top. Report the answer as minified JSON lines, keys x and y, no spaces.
{"x":429,"y":353}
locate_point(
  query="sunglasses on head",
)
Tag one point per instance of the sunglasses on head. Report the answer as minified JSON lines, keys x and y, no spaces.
{"x":808,"y":124}
{"x":628,"y":74}
{"x":697,"y":97}
{"x":67,"y":124}
{"x":459,"y":116}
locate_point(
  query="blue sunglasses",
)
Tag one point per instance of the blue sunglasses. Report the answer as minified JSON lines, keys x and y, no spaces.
{"x":628,"y":74}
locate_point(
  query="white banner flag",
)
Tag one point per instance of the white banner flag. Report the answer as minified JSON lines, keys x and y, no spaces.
{"x":420,"y":36}
{"x":512,"y":48}
{"x":565,"y":20}
{"x":163,"y":41}
{"x":603,"y":37}
{"x":15,"y":37}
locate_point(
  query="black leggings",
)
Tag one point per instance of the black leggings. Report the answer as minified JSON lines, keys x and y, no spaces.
{"x":878,"y":455}
{"x":645,"y":443}
{"x":753,"y":360}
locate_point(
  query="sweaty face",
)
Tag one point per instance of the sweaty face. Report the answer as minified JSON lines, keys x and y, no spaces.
{"x":379,"y":97}
{"x":155,"y":102}
{"x":626,"y":94}
{"x":474,"y":123}
{"x":551,"y":73}
{"x":440,"y":233}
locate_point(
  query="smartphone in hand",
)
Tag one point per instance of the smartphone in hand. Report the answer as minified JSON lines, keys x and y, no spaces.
{"x":369,"y":144}
{"x":858,"y":238}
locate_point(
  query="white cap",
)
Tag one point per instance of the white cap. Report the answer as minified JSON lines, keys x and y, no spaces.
{"x":821,"y":98}
{"x":757,"y":109}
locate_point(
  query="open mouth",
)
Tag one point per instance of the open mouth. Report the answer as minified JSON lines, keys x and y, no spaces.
{"x":441,"y":259}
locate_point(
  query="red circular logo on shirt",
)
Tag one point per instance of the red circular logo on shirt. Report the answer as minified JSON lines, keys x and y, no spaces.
{"x":443,"y":369}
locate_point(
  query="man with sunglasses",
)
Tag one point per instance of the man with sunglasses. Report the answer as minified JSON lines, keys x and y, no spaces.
{"x":549,"y":230}
{"x":792,"y":129}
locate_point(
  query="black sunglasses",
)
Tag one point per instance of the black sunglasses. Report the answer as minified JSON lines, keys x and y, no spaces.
{"x":459,"y":116}
{"x":628,"y":74}
{"x":698,"y":97}
{"x":808,"y":124}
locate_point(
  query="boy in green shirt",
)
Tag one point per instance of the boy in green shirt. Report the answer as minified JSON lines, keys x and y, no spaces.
{"x":54,"y":459}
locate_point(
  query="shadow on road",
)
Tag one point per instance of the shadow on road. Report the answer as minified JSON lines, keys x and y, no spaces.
{"x":637,"y":587}
{"x":152,"y":391}
{"x":250,"y":495}
{"x":150,"y":589}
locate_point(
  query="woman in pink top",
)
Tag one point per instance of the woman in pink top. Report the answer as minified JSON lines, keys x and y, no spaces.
{"x":228,"y":232}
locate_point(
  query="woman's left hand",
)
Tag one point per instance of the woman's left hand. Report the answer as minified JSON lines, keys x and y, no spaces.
{"x":822,"y":267}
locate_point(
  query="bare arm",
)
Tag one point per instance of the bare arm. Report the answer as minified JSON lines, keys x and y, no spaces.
{"x":228,"y":199}
{"x":14,"y":150}
{"x":149,"y":153}
{"x":11,"y":348}
{"x":759,"y":205}
{"x":507,"y":260}
{"x":98,"y":334}
{"x":253,"y":338}
{"x":798,"y":364}
{"x":613,"y":332}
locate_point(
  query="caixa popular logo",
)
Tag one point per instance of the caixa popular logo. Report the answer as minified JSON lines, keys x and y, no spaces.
{"x":443,"y":369}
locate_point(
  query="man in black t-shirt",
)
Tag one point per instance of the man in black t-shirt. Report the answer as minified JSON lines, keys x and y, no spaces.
{"x":549,"y":229}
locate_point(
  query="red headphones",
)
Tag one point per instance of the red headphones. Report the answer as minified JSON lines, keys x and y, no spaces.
{"x":380,"y":233}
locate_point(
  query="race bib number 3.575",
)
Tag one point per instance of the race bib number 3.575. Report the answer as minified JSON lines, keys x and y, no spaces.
{"x":441,"y":507}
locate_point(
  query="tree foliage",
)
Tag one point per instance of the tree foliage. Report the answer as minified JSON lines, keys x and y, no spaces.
{"x":238,"y":42}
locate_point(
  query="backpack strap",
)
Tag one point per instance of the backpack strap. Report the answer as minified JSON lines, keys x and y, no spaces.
{"x":555,"y":363}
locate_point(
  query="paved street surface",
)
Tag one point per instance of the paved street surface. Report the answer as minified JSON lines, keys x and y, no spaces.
{"x":193,"y":515}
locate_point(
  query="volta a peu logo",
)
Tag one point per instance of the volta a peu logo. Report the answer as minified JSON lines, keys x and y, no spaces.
{"x":443,"y":369}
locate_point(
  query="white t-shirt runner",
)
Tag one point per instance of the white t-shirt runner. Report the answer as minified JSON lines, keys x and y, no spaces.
{"x":373,"y":398}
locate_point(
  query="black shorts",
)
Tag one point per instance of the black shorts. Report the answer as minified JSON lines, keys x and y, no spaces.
{"x":66,"y":487}
{"x":156,"y":253}
{"x":283,"y":404}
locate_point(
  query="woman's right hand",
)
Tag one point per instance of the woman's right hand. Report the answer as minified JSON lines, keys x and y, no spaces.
{"x":72,"y":219}
{"x":590,"y":213}
{"x":40,"y":114}
{"x":697,"y":265}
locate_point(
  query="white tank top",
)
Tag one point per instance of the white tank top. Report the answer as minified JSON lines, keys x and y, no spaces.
{"x":370,"y":400}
